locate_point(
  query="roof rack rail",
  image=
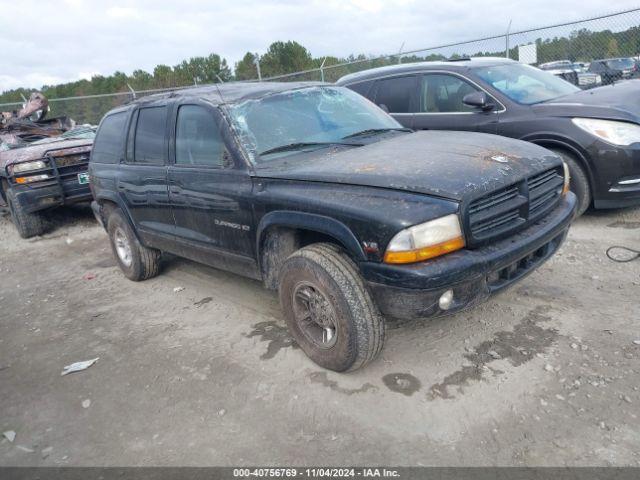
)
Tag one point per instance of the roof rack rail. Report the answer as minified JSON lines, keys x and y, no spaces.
{"x":463,"y":59}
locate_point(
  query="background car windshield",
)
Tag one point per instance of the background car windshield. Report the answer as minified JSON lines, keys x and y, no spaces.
{"x":620,"y":63}
{"x":315,"y":114}
{"x":525,"y":84}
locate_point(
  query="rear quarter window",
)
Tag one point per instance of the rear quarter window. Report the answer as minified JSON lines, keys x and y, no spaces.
{"x":107,"y":146}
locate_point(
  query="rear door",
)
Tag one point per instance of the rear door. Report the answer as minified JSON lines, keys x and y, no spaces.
{"x":142,"y":180}
{"x":210,"y":192}
{"x":440,"y":105}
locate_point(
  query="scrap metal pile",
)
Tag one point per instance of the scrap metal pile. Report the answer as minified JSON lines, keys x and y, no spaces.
{"x":20,"y":128}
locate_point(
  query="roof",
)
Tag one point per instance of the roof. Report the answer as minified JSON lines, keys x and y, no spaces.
{"x":232,"y":92}
{"x":452,"y":65}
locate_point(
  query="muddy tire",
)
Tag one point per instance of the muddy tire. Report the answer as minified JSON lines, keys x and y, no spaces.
{"x":136,"y":261}
{"x":579,"y":183}
{"x":28,"y":224}
{"x":328,"y":308}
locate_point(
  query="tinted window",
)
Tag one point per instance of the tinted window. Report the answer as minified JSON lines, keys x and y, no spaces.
{"x":149,"y":145}
{"x":363,"y":88}
{"x":108,"y":143}
{"x":441,"y":93}
{"x":198,"y":140}
{"x":396,"y":93}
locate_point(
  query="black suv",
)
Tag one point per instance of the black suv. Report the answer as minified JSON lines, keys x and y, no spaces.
{"x":323,"y":196}
{"x":596,"y":131}
{"x":614,"y":69}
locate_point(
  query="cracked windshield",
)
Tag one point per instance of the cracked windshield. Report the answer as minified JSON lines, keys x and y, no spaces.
{"x":308,"y":118}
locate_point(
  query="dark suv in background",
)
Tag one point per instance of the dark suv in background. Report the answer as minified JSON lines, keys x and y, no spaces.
{"x":614,"y":69}
{"x":319,"y":193}
{"x":597,"y":131}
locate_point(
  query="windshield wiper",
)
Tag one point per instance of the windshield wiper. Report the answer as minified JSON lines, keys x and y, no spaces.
{"x":299,"y":145}
{"x":373,"y":131}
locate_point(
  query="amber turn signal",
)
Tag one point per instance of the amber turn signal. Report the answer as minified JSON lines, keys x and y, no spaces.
{"x":424,"y":253}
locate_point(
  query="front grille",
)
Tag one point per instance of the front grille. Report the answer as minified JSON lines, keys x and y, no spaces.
{"x":69,"y":166}
{"x":63,"y":170}
{"x":513,"y":207}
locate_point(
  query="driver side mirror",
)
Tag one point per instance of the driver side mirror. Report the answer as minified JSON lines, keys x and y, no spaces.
{"x":384,"y":107}
{"x":478,"y":100}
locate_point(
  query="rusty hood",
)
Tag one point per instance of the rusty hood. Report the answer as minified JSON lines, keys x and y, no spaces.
{"x":451,"y":165}
{"x":36,"y":152}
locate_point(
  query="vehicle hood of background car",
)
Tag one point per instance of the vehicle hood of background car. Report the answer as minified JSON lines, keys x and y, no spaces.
{"x":451,"y":165}
{"x":37,"y":151}
{"x":620,"y":101}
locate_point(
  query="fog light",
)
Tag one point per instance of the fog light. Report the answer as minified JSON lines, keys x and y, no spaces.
{"x":446,"y":299}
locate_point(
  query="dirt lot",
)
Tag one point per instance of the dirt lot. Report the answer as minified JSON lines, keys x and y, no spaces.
{"x":544,"y":374}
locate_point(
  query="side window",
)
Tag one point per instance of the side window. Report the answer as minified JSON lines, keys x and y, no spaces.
{"x":149,"y":143}
{"x":198,"y":139}
{"x":363,"y":88}
{"x":442,"y":93}
{"x":108,"y":143}
{"x":395,"y":93}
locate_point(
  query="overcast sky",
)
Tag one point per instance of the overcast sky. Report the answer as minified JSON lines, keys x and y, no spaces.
{"x":54,"y":42}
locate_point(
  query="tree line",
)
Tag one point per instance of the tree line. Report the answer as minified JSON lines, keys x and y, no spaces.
{"x":289,"y":57}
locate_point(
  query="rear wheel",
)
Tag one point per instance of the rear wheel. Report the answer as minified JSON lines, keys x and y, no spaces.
{"x":28,"y":224}
{"x":136,"y":261}
{"x":579,"y":183}
{"x":328,"y":308}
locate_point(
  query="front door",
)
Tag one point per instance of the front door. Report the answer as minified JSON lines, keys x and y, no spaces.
{"x":210,"y":194}
{"x":441,"y":106}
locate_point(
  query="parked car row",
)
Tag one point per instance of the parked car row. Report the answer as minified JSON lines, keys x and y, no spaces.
{"x":351,"y":200}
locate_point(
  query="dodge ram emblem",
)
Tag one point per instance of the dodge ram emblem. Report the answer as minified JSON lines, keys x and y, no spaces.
{"x":499,"y":158}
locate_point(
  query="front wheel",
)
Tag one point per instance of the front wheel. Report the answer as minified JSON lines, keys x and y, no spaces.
{"x":136,"y":261}
{"x":579,"y":183}
{"x":328,"y":308}
{"x":28,"y":224}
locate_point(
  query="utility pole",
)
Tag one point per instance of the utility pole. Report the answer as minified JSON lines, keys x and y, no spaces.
{"x":506,"y":53}
{"x":133,"y":92}
{"x":400,"y":53}
{"x":256,"y":61}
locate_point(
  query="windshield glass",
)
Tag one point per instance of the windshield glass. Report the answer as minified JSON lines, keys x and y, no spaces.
{"x":620,"y":63}
{"x":524,"y":83}
{"x":308,"y":115}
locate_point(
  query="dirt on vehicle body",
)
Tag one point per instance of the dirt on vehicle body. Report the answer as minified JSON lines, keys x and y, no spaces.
{"x":41,"y":176}
{"x":322,"y":195}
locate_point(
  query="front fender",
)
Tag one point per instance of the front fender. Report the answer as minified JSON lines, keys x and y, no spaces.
{"x":314,"y":222}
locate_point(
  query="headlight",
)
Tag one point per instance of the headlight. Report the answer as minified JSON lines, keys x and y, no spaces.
{"x":617,"y":133}
{"x":28,"y":166}
{"x":424,"y":241}
{"x":567,"y":178}
{"x":32,"y":178}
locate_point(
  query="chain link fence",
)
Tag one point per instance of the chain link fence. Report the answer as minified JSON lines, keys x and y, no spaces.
{"x":573,"y":44}
{"x":579,"y":42}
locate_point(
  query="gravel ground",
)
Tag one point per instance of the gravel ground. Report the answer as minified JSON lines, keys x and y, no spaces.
{"x":196,"y":368}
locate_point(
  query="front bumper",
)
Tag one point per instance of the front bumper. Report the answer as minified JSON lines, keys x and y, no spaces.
{"x":413,"y":291}
{"x":616,"y":175}
{"x":34,"y":197}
